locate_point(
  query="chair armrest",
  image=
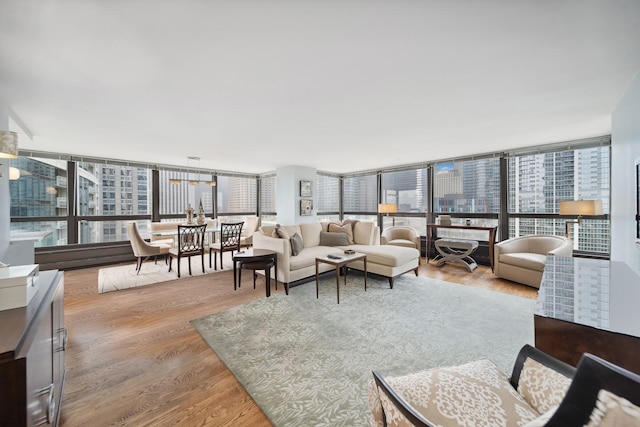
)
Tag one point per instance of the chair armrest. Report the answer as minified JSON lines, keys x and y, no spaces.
{"x":404,"y":407}
{"x":592,"y":375}
{"x":541,"y":357}
{"x":281,"y":246}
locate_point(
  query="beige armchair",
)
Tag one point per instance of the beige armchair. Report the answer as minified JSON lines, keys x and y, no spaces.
{"x":142,"y":249}
{"x":251,"y":225}
{"x":401,"y":236}
{"x":522,"y":259}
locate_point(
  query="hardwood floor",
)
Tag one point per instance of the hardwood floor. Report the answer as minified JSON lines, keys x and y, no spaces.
{"x":133,"y":358}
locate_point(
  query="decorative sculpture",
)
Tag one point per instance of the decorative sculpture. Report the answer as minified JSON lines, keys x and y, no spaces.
{"x":201,"y":219}
{"x":189,"y":212}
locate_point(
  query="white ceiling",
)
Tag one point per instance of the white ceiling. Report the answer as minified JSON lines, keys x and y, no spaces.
{"x":341,"y":86}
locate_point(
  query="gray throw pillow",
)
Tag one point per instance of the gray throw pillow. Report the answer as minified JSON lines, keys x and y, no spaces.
{"x":333,"y":239}
{"x":296,"y":244}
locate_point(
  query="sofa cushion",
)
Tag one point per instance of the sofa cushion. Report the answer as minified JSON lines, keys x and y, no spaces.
{"x":542,"y":387}
{"x":528,"y":260}
{"x":391,"y":256}
{"x":329,"y":238}
{"x":345,"y":228}
{"x":402,"y":242}
{"x":307,"y":258}
{"x":311,"y":233}
{"x":363,"y":233}
{"x":296,"y":244}
{"x":473,"y":394}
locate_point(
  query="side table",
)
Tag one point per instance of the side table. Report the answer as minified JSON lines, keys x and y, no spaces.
{"x":343,"y":261}
{"x":257,"y":259}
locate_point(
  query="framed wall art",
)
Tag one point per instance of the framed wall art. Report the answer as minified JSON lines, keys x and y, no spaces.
{"x":306,"y":188}
{"x":306,"y":207}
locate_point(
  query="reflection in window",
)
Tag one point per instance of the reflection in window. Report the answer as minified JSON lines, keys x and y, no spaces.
{"x":471,"y":186}
{"x":407,"y":189}
{"x":41,"y":189}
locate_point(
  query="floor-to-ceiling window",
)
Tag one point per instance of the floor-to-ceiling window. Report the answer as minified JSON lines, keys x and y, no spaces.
{"x":468,"y":190}
{"x":237,"y":197}
{"x":360,"y":197}
{"x":407,"y":190}
{"x":328,"y":198}
{"x":106,"y":191}
{"x":268,"y":199}
{"x":538,"y":182}
{"x":88,"y":201}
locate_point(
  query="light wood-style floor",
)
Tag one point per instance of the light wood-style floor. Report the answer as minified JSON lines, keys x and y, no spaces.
{"x":133,"y":358}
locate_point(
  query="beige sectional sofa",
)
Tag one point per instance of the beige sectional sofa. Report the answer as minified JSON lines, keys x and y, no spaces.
{"x":385,"y":260}
{"x":522,"y":259}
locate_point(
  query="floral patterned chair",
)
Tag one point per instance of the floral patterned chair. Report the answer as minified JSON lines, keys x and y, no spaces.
{"x":542,"y":391}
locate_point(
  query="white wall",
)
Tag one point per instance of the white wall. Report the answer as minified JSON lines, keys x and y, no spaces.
{"x":5,"y":197}
{"x":288,"y":188}
{"x":625,"y":148}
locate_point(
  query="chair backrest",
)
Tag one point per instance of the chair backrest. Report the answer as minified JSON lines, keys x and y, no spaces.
{"x":137,"y":242}
{"x":593,"y":375}
{"x":191,"y":238}
{"x":230,"y":235}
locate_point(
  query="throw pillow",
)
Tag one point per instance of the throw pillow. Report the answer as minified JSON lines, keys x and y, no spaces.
{"x":296,"y":244}
{"x":612,"y":410}
{"x":345,"y":228}
{"x":542,"y":387}
{"x":333,"y":239}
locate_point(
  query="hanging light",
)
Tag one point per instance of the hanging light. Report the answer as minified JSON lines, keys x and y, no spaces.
{"x":179,"y":181}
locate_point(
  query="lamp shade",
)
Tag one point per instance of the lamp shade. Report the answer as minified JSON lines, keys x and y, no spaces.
{"x":14,"y":173}
{"x":581,"y":207}
{"x":8,"y":144}
{"x":387,"y":208}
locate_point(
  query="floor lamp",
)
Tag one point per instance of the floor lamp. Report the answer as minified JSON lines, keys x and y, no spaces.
{"x":387,"y":208}
{"x":580,"y":208}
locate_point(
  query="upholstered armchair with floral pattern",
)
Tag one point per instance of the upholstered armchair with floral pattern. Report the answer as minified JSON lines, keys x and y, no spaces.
{"x":542,"y":391}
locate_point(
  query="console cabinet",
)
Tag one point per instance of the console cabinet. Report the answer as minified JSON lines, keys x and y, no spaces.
{"x":32,"y":346}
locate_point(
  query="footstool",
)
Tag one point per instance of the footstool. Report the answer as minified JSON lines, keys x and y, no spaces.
{"x":456,"y":250}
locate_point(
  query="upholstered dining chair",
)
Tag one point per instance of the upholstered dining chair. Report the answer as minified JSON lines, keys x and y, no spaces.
{"x":190,"y":243}
{"x":142,"y":249}
{"x":229,"y":241}
{"x":251,"y":225}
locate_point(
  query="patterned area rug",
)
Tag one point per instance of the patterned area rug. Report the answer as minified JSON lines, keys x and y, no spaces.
{"x":125,"y":277}
{"x":307,"y":361}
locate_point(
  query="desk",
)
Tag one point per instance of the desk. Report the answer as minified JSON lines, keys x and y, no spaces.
{"x":589,"y":305}
{"x":432,"y":235}
{"x":258,"y":259}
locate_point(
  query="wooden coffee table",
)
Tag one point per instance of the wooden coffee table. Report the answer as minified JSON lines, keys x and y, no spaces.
{"x":340,"y":262}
